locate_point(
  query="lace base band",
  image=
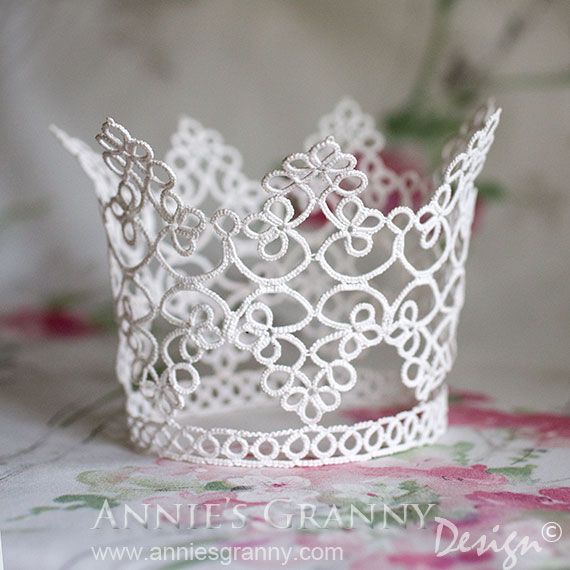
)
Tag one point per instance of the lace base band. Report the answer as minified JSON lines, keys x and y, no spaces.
{"x":419,"y":425}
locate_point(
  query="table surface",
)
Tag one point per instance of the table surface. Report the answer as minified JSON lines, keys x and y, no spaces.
{"x":64,"y":451}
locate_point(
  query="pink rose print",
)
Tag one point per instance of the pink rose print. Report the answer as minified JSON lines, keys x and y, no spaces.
{"x":219,"y":502}
{"x":262,"y":489}
{"x":550,"y":499}
{"x":548,"y":427}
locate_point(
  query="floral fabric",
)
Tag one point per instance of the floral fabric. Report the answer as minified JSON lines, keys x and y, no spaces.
{"x":65,"y":455}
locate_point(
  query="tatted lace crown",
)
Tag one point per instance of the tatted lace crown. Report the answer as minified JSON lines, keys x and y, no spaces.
{"x":281,"y":327}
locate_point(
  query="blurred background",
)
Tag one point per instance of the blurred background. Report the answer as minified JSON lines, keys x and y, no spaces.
{"x":262,"y":72}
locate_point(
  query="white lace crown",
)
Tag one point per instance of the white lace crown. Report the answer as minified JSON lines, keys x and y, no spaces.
{"x":257,"y":328}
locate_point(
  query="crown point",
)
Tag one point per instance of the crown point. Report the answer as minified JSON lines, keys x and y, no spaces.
{"x":109,"y":121}
{"x":55,"y":130}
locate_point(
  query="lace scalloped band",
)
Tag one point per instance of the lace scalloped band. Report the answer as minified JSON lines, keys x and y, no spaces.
{"x":420,"y":425}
